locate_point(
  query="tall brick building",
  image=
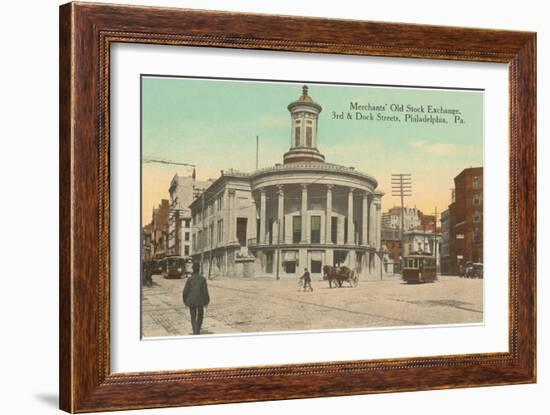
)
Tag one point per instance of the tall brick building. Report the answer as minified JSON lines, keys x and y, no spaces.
{"x":159,"y":229}
{"x":466,"y":220}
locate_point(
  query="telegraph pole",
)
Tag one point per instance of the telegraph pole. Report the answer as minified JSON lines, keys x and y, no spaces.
{"x":401,"y":186}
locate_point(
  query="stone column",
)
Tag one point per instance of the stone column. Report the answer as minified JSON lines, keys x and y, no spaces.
{"x":303,"y":213}
{"x":328,"y":216}
{"x":378,"y":225}
{"x":352,"y":262}
{"x":232,"y":237}
{"x":280,"y":213}
{"x":226,"y":214}
{"x":262,"y":216}
{"x":377,"y":241}
{"x":351,"y":230}
{"x":372,"y":222}
{"x":329,"y":257}
{"x":252,"y":218}
{"x":365,"y":220}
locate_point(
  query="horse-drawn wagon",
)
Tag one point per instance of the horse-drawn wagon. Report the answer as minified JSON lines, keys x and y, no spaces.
{"x":340,"y":275}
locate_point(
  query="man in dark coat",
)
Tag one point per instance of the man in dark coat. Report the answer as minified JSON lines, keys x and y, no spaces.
{"x":307,"y":280}
{"x":195,"y":296}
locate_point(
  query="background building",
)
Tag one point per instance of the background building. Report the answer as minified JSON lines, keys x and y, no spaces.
{"x":182,"y":191}
{"x":159,"y":229}
{"x":421,"y":242}
{"x":304,"y":213}
{"x":392,"y":218}
{"x":445,"y":229}
{"x":466,"y":220}
{"x":391,"y":243}
{"x":147,"y":242}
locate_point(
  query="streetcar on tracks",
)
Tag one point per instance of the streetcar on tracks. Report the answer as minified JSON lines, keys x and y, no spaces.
{"x":177,"y":267}
{"x":418,"y":269}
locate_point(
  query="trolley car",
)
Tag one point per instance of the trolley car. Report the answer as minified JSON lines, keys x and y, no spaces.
{"x":177,"y":267}
{"x":419,"y":269}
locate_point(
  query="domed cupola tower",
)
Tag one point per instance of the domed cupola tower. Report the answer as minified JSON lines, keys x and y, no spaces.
{"x":304,"y":115}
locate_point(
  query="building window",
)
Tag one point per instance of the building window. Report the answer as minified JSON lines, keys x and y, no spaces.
{"x":269,"y":262}
{"x":340,"y":257}
{"x":270,"y":223}
{"x":346,"y":230}
{"x":296,"y":229}
{"x":477,"y":217}
{"x":477,"y":199}
{"x":309,"y":136}
{"x":477,"y":235}
{"x":475,"y":182}
{"x":186,"y":250}
{"x":334,"y":229}
{"x":290,"y":267}
{"x":316,"y":266}
{"x":297,"y":136}
{"x":316,"y":229}
{"x":358,"y":260}
{"x":186,"y":236}
{"x":220,"y":230}
{"x":211,"y":235}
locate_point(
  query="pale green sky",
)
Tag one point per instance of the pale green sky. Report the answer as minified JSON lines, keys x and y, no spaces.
{"x":214,"y":123}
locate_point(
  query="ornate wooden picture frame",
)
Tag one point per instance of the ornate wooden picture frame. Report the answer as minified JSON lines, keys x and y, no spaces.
{"x":87,"y":32}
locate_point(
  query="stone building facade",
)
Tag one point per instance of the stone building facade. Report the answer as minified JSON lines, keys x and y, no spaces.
{"x":303,"y":213}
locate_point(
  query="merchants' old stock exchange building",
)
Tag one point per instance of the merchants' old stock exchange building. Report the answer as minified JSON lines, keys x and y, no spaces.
{"x":303,"y":213}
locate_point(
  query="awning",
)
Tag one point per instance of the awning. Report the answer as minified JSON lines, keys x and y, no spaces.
{"x":316,"y":255}
{"x":289,"y":256}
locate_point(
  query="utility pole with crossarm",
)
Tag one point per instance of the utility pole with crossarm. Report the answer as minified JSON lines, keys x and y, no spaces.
{"x":401,"y":186}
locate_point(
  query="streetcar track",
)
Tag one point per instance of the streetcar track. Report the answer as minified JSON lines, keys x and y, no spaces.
{"x":379,"y":316}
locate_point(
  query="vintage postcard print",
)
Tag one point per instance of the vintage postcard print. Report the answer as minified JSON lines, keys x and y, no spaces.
{"x":276,"y":206}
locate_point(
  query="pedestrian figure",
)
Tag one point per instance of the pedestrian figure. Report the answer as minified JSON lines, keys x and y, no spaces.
{"x":307,"y":280}
{"x":195,"y":296}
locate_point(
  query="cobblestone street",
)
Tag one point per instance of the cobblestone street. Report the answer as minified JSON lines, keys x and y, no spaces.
{"x":254,"y":305}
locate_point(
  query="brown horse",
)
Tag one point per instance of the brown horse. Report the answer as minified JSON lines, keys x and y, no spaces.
{"x":339,"y":275}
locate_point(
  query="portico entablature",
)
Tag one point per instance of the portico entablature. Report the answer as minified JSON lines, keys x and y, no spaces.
{"x":309,"y":178}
